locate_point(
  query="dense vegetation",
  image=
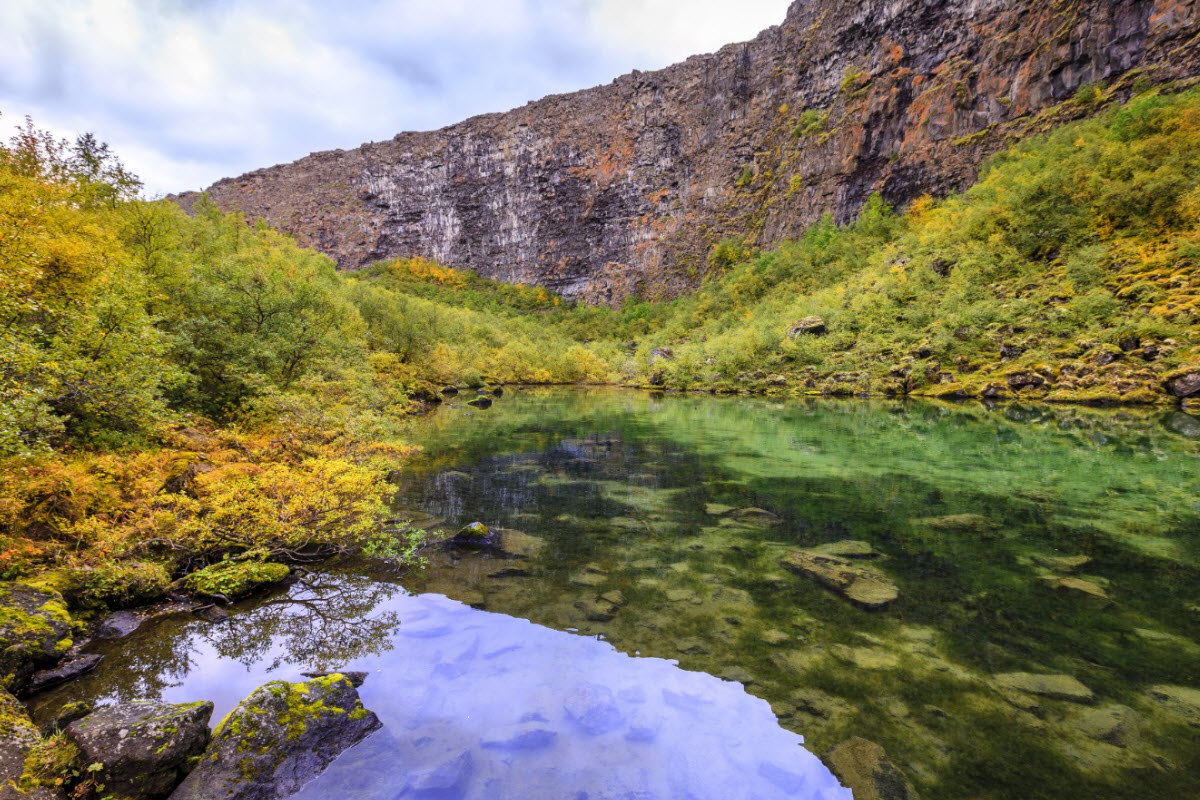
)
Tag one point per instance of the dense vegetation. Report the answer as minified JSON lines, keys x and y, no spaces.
{"x":176,"y":390}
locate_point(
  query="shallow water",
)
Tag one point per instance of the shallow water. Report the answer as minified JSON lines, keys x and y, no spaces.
{"x":1021,"y":539}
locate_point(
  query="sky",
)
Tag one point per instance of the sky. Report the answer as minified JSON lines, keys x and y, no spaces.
{"x":191,"y":91}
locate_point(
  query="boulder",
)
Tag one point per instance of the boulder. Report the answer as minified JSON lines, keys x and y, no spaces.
{"x":863,"y":587}
{"x":481,"y":402}
{"x":662,"y":354}
{"x":146,"y":749}
{"x":593,"y":709}
{"x":233,"y":580}
{"x":756,"y":516}
{"x":18,"y":736}
{"x":475,"y":536}
{"x":278,"y":739}
{"x":1056,"y":687}
{"x":35,"y":632}
{"x":809,"y":326}
{"x":1186,"y":384}
{"x":119,"y":625}
{"x":64,"y":672}
{"x":864,"y":768}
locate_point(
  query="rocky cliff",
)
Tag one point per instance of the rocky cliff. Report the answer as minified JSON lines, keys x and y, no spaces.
{"x":622,"y":189}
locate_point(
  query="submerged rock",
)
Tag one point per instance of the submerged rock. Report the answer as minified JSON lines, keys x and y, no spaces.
{"x":516,"y":544}
{"x":62,"y":673}
{"x":1056,"y":687}
{"x":278,"y":739}
{"x":756,"y":516}
{"x":961,"y":523}
{"x":146,"y":749}
{"x":1111,"y":724}
{"x":863,"y":766}
{"x":849,"y":548}
{"x":1180,"y":701}
{"x":862,"y":586}
{"x":481,"y":402}
{"x":1091,"y":593}
{"x":35,"y":632}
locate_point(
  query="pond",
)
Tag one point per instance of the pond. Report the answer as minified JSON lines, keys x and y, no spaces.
{"x":1029,"y":626}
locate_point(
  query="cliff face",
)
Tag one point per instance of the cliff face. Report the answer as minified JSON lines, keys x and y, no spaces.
{"x":623,"y":189}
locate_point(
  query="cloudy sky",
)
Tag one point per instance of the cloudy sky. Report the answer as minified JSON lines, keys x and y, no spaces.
{"x":189,"y":91}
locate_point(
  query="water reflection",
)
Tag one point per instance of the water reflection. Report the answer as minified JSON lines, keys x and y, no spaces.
{"x":474,"y":704}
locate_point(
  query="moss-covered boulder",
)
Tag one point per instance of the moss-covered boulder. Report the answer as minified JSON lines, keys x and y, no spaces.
{"x":111,"y":586}
{"x":475,"y":536}
{"x":278,"y":739}
{"x":231,"y":580}
{"x":17,"y":737}
{"x":145,"y":749}
{"x":35,"y":631}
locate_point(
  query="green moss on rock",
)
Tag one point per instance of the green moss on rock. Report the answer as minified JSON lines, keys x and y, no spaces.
{"x":234,"y":579}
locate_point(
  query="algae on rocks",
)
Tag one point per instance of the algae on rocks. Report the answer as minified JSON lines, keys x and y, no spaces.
{"x":279,"y":738}
{"x":35,"y":632}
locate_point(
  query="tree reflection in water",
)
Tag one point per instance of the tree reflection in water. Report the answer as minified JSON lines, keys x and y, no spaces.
{"x":323,"y":622}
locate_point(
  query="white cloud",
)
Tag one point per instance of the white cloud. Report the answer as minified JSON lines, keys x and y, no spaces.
{"x":189,"y":91}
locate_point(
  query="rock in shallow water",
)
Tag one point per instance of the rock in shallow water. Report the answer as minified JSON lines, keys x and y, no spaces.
{"x":279,"y":738}
{"x":862,"y":586}
{"x":1056,"y":687}
{"x":62,"y":673}
{"x":863,"y":766}
{"x":146,"y":748}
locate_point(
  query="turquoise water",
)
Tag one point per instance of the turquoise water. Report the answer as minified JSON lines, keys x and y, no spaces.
{"x":1038,"y":636}
{"x":1051,"y":541}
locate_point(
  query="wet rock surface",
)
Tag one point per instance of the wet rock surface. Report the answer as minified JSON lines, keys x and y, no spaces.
{"x":62,"y":673}
{"x":145,"y":748}
{"x":278,"y":739}
{"x":17,"y":735}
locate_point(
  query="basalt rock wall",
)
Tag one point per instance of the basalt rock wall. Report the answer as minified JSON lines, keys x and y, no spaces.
{"x":623,"y":189}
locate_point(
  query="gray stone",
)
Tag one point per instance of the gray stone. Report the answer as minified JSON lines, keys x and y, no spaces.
{"x":146,"y":749}
{"x":1112,"y":724}
{"x":809,"y":326}
{"x":64,"y":672}
{"x":849,"y":548}
{"x":278,"y":739}
{"x":119,"y":625}
{"x":1180,"y":701}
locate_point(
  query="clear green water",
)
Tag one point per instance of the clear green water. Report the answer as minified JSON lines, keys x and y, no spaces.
{"x":977,"y":515}
{"x":969,"y":507}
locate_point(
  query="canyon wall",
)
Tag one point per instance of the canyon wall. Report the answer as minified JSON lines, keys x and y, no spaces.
{"x":622,"y":190}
